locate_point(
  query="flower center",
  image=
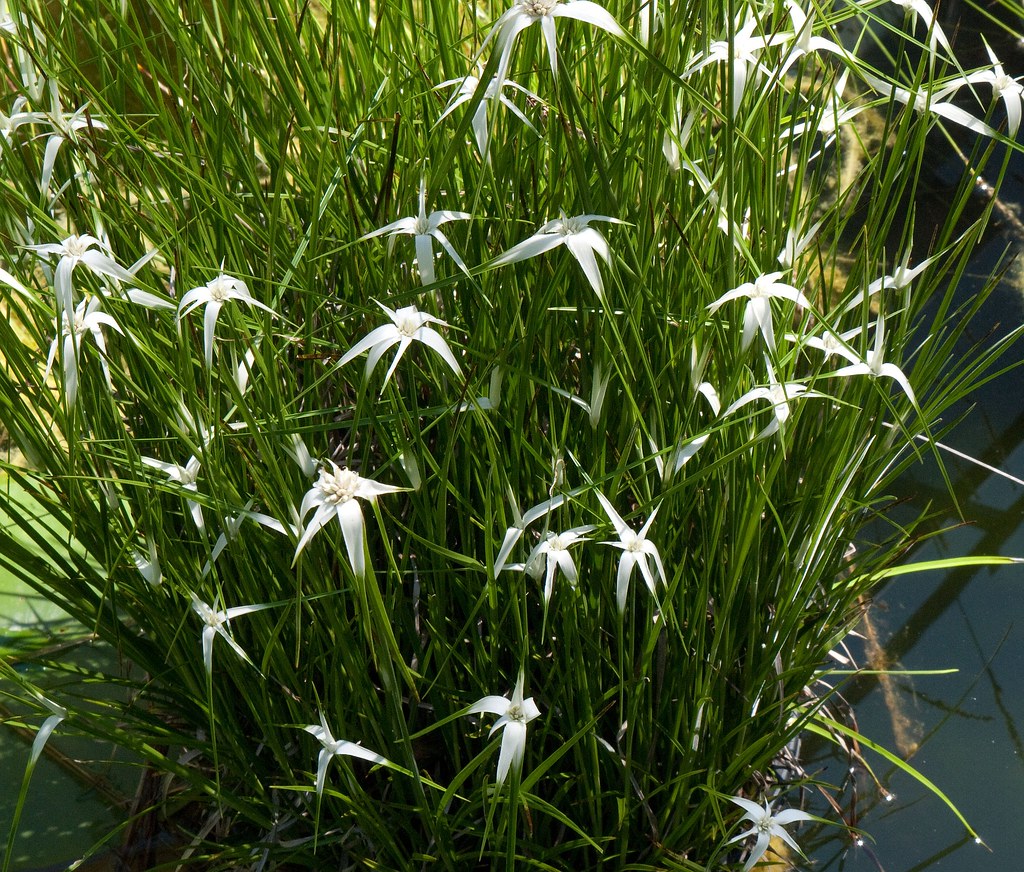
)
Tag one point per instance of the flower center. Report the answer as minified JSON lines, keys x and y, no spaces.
{"x":408,"y":322}
{"x":764,"y":825}
{"x":568,"y":226}
{"x":515,"y":713}
{"x":219,"y":289}
{"x":75,"y":246}
{"x":338,"y":486}
{"x":539,"y":8}
{"x":1002,"y":84}
{"x":557,"y":543}
{"x":210,"y":617}
{"x":631,"y":541}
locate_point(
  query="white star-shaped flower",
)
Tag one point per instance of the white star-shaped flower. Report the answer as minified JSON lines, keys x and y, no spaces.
{"x":514,"y":714}
{"x":214,"y":294}
{"x":779,"y":394}
{"x":553,"y":553}
{"x":758,"y":314}
{"x":408,"y":325}
{"x":215,"y":622}
{"x":185,"y":476}
{"x":1004,"y":87}
{"x":87,"y":320}
{"x":526,"y":12}
{"x":337,"y":748}
{"x":73,"y":251}
{"x":575,"y":234}
{"x":424,"y":228}
{"x":335,"y":494}
{"x":874,"y":365}
{"x":636,"y":548}
{"x":766,"y":824}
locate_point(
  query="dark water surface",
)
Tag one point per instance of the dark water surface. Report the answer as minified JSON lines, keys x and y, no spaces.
{"x":965,"y":731}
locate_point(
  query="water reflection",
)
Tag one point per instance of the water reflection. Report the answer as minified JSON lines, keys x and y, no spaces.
{"x":965,"y":731}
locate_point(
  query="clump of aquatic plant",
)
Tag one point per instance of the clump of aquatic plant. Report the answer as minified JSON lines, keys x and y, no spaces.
{"x":597,"y":520}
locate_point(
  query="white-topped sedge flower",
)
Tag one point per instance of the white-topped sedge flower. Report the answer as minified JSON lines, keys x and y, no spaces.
{"x":804,"y":40}
{"x":575,"y":234}
{"x":926,"y":14}
{"x":185,"y":476}
{"x":758,"y":313}
{"x":423,"y":228}
{"x":408,"y":325}
{"x":337,"y":748}
{"x":874,"y":365}
{"x":899,"y":280}
{"x":829,"y":342}
{"x":527,"y":12}
{"x":87,"y":319}
{"x":513,"y":716}
{"x":552,"y":554}
{"x":215,"y":622}
{"x":335,"y":494}
{"x":1004,"y":87}
{"x":64,"y":127}
{"x":214,"y":294}
{"x":72,"y":251}
{"x":928,"y":101}
{"x":636,"y":548}
{"x":520,"y":522}
{"x":743,"y":51}
{"x":765,"y":825}
{"x":779,"y":394}
{"x":468,"y":87}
